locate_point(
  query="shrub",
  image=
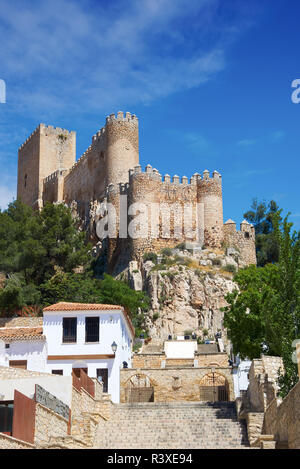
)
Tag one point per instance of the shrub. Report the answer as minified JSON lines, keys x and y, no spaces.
{"x":150,"y":256}
{"x":180,"y":246}
{"x":155,"y":317}
{"x":167,"y":252}
{"x":230,"y":268}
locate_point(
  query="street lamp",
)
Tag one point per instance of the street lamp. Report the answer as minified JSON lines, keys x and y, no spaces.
{"x":114,"y":347}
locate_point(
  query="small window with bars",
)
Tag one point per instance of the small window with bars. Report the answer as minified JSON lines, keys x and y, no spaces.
{"x":92,"y":329}
{"x":69,"y":330}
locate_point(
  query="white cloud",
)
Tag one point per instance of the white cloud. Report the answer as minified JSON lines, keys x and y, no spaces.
{"x":63,"y":54}
{"x":246,"y":142}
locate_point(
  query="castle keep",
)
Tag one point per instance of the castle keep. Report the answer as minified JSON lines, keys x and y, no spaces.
{"x":108,"y":173}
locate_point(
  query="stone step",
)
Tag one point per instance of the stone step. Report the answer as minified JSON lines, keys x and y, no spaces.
{"x":172,"y":425}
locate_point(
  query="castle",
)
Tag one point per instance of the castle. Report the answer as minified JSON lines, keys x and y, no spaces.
{"x":109,"y":173}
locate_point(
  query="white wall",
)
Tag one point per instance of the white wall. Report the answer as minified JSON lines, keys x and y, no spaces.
{"x":59,"y":386}
{"x":112,"y":328}
{"x":180,"y":348}
{"x":240,"y":377}
{"x":35,"y":352}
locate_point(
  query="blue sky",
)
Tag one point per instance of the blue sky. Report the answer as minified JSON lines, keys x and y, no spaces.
{"x":210,"y":81}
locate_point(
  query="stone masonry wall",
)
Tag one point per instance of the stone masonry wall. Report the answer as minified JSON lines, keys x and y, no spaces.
{"x":46,"y":151}
{"x":174,"y":384}
{"x":48,"y":424}
{"x":8,"y":442}
{"x":143,"y":361}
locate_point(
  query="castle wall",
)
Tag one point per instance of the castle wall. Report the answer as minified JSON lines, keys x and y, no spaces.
{"x":53,"y":190}
{"x":86,"y":180}
{"x":114,"y":150}
{"x":149,"y":189}
{"x":243,"y":240}
{"x":28,"y":170}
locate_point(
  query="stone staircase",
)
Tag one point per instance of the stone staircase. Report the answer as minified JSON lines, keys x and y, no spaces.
{"x":177,"y":425}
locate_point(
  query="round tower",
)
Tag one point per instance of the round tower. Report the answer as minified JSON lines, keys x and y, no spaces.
{"x":122,"y":147}
{"x":209,"y":193}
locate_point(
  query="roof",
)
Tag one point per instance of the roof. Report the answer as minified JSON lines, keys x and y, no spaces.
{"x":21,"y":333}
{"x":21,"y":321}
{"x":64,"y":306}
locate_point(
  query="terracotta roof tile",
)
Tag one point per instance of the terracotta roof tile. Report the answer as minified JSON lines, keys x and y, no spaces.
{"x":63,"y":306}
{"x":21,"y":333}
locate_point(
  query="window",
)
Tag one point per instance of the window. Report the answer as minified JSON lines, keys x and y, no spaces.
{"x":7,"y":345}
{"x":6,"y":416}
{"x":18,"y":364}
{"x":25,"y":180}
{"x":92,"y":329}
{"x":69,"y":330}
{"x":247,"y":235}
{"x":57,"y":372}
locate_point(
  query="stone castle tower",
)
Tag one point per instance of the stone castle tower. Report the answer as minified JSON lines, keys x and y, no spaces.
{"x":109,"y":172}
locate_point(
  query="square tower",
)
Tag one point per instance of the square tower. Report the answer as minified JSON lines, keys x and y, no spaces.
{"x":46,"y":151}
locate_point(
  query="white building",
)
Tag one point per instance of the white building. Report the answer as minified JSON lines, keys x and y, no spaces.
{"x":23,"y":347}
{"x":240,"y":375}
{"x":94,"y":337}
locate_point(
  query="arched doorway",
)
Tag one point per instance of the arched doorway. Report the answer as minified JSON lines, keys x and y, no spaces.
{"x":139,"y":389}
{"x":214,"y":388}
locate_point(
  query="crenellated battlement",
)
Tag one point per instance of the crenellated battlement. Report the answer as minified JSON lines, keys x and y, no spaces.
{"x":55,"y":175}
{"x":131,"y":118}
{"x":33,"y":134}
{"x":154,"y":173}
{"x":45,"y":130}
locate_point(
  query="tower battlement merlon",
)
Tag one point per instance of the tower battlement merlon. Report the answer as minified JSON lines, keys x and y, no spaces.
{"x":36,"y":131}
{"x":46,"y":130}
{"x":183,"y":180}
{"x":112,"y":118}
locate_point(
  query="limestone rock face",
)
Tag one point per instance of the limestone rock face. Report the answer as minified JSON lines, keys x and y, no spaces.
{"x":187,"y":293}
{"x":186,"y":302}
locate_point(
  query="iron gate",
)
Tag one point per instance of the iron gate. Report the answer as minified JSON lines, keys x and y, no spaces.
{"x":213,"y":394}
{"x":140,"y":394}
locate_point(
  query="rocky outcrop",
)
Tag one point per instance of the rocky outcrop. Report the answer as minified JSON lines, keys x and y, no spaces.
{"x":187,"y":291}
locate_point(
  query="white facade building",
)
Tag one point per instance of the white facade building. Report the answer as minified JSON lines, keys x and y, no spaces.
{"x":241,"y":375}
{"x":24,"y":347}
{"x":95,"y":337}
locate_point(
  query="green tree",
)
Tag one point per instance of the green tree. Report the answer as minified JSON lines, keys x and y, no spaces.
{"x":40,"y":253}
{"x":261,"y":216}
{"x":135,"y":302}
{"x":264,"y":314}
{"x":36,"y":244}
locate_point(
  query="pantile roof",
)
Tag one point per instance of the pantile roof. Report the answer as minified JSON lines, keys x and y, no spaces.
{"x":21,"y":333}
{"x":63,"y":306}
